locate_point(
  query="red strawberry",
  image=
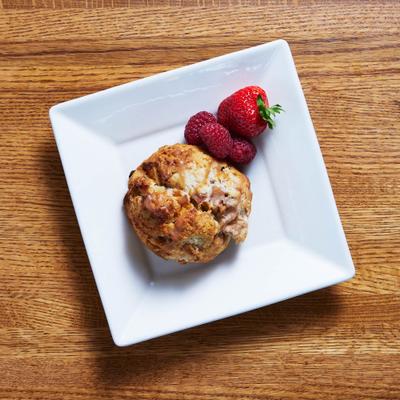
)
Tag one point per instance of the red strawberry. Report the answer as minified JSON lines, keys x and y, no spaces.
{"x":246,"y":112}
{"x":195,"y":123}
{"x":217,"y":139}
{"x":242,"y":151}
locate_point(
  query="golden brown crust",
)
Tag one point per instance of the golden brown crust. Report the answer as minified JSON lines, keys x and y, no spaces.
{"x":186,"y":206}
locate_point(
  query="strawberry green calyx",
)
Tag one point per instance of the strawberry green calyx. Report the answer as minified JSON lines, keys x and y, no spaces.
{"x":268,"y":113}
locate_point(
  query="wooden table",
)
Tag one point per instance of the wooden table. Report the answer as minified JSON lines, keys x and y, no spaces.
{"x":338,"y":343}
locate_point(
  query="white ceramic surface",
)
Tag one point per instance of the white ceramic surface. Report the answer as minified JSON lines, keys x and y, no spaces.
{"x":295,"y":244}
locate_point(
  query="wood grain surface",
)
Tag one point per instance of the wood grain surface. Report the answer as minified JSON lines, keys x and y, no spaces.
{"x":338,"y":343}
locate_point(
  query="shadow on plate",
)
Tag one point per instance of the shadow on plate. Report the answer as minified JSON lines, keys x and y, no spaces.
{"x":180,"y":276}
{"x":136,"y":252}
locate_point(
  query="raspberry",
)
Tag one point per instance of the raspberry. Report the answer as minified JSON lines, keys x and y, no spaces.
{"x":195,"y":123}
{"x":242,"y":151}
{"x":217,"y":139}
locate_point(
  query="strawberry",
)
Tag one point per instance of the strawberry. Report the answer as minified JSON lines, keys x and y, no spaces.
{"x":246,"y":112}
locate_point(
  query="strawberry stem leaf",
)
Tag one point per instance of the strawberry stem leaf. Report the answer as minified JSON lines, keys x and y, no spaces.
{"x":268,"y":113}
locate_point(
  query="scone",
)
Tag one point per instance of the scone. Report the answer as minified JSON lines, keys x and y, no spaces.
{"x":186,"y":206}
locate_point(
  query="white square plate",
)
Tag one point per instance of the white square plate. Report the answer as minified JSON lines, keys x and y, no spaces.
{"x":295,"y":244}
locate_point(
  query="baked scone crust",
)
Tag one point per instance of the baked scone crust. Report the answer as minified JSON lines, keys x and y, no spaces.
{"x":186,"y":206}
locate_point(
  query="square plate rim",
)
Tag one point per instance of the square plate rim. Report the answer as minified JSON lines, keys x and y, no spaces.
{"x":55,"y":109}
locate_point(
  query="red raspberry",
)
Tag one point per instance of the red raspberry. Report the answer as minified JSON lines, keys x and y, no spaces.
{"x":242,"y":151}
{"x":217,"y":139}
{"x":195,"y":123}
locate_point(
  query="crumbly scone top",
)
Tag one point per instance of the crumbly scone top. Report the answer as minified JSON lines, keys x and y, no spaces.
{"x":185,"y":205}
